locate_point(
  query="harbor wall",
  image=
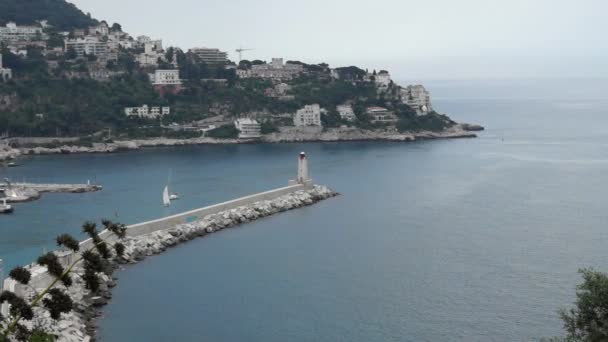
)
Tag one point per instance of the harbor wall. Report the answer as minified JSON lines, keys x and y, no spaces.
{"x":41,"y":278}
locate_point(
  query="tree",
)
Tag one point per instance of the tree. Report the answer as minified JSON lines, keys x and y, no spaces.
{"x":55,"y":300}
{"x":71,"y":53}
{"x":116,"y":27}
{"x":588,"y":319}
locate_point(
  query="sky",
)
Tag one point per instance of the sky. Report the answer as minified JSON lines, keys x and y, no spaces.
{"x":422,"y":39}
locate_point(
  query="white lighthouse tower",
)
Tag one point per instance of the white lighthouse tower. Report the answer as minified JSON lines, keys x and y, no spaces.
{"x":303,"y":177}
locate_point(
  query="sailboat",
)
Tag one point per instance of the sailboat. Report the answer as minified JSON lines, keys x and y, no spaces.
{"x":166,"y":197}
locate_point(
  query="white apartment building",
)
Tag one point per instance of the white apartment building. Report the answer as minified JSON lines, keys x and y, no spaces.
{"x":5,"y":73}
{"x":208,"y":55}
{"x":91,"y":46}
{"x":165,"y":77}
{"x":12,"y":33}
{"x":248,"y":128}
{"x":102,"y":29}
{"x":418,"y":98}
{"x":381,"y":115}
{"x":276,"y":69}
{"x":310,"y":115}
{"x":150,"y":55}
{"x":383,"y":79}
{"x":346,"y":112}
{"x":147,"y":112}
{"x":142,"y":40}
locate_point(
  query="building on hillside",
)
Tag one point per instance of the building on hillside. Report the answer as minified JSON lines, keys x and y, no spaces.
{"x":147,"y":112}
{"x":248,"y":128}
{"x":165,"y":77}
{"x":142,"y":40}
{"x":102,"y":29}
{"x":150,"y":56}
{"x":381,"y":115}
{"x":346,"y":112}
{"x":5,"y":73}
{"x":383,"y":79}
{"x":92,"y":46}
{"x":275,"y":70}
{"x":211,"y":56}
{"x":12,"y":33}
{"x":418,"y":98}
{"x":309,"y":115}
{"x":280,"y":92}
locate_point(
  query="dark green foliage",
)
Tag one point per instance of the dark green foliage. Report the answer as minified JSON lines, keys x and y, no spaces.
{"x":224,"y":132}
{"x":91,"y":280}
{"x":118,"y":229}
{"x":93,"y":261}
{"x":90,"y":228}
{"x":41,"y":336}
{"x":588,"y":319}
{"x":59,"y":13}
{"x":268,"y":127}
{"x":58,"y":303}
{"x":22,"y":333}
{"x":119,"y":248}
{"x":51,"y":262}
{"x":69,"y":242}
{"x":21,"y":275}
{"x":19,"y":307}
{"x":430,"y":122}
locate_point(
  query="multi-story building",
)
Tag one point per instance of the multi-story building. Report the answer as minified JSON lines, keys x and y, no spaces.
{"x":91,"y":46}
{"x":383,"y":79}
{"x":346,"y":112}
{"x":310,"y":115}
{"x":142,"y":40}
{"x":248,"y":128}
{"x":381,"y":115}
{"x":101,"y":29}
{"x":273,"y":70}
{"x":165,"y":77}
{"x":211,"y":56}
{"x":5,"y":73}
{"x":147,"y":112}
{"x":12,"y":33}
{"x":418,"y":98}
{"x":150,"y":55}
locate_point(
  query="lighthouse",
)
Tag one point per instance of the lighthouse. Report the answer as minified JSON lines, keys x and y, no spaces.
{"x":302,"y":168}
{"x":303,"y":177}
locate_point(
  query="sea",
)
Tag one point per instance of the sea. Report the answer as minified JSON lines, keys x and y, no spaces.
{"x":443,"y":240}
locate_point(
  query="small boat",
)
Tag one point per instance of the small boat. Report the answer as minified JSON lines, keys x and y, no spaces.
{"x":12,"y":164}
{"x":5,"y":208}
{"x":173,"y":197}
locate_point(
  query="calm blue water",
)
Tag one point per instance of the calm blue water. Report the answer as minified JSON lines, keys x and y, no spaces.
{"x":476,"y":239}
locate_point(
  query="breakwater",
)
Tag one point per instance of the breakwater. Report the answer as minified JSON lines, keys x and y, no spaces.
{"x":153,"y":237}
{"x":23,"y":192}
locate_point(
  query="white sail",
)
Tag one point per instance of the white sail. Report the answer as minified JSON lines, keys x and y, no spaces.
{"x":166,"y":199}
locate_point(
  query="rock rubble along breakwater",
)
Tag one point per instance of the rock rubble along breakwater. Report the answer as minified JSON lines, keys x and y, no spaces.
{"x":80,"y":324}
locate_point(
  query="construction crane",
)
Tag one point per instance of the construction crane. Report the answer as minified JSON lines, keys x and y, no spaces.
{"x":240,"y":52}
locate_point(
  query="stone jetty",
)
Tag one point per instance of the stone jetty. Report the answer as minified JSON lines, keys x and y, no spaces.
{"x":23,"y":192}
{"x":79,"y":325}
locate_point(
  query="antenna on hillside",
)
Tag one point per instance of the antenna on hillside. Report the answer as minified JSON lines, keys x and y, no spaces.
{"x":240,"y":52}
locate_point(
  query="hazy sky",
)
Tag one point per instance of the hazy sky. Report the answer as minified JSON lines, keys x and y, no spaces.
{"x":413,"y":39}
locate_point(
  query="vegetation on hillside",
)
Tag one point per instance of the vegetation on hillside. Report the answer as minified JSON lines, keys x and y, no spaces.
{"x":59,"y":13}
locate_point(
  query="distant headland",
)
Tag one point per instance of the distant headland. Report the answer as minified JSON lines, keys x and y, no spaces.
{"x":72,"y":84}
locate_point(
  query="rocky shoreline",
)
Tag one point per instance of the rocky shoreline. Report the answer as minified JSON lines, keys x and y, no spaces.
{"x":80,"y":324}
{"x":286,"y":135}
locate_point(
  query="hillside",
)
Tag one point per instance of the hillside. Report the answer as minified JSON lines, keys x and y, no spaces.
{"x":59,"y":13}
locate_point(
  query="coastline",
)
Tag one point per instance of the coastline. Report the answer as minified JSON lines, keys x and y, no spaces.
{"x":81,"y":323}
{"x":286,"y":135}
